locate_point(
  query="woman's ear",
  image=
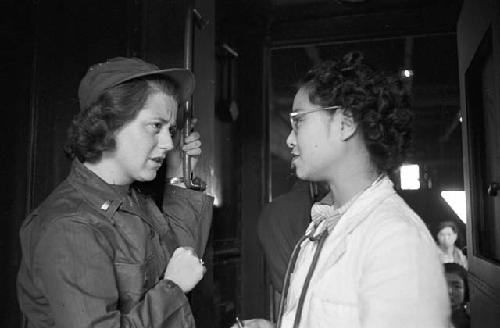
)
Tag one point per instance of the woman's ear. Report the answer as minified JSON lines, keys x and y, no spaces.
{"x":348,"y":126}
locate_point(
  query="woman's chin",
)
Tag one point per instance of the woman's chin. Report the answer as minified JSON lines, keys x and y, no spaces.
{"x":301,"y":174}
{"x":147,"y":176}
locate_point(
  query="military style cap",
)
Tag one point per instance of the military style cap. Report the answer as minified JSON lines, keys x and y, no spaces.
{"x":103,"y":76}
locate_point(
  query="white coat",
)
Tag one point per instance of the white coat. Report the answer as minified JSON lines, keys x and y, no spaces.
{"x":379,"y":268}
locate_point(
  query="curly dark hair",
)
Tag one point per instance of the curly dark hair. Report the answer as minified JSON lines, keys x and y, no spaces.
{"x":377,"y":100}
{"x":93,"y":129}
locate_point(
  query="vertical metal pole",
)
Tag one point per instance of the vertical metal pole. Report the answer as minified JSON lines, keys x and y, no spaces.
{"x":196,"y":184}
{"x":188,"y":54}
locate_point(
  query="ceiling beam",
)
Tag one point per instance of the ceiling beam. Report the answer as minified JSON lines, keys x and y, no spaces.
{"x":290,"y":27}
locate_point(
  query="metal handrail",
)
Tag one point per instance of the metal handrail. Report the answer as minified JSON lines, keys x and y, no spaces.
{"x":191,"y":15}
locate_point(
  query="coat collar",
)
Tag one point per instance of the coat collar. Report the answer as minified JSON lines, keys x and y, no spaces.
{"x":103,"y":198}
{"x":364,"y":205}
{"x":353,"y":217}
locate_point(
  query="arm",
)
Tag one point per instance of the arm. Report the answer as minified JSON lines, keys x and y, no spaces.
{"x":189,"y":214}
{"x":74,"y":263}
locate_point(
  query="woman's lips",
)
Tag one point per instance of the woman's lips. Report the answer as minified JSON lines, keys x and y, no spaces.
{"x":157,"y":161}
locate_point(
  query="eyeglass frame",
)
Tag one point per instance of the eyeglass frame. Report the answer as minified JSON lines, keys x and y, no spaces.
{"x":294,"y":115}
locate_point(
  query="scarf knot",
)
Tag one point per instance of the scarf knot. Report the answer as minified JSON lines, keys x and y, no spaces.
{"x":323,"y":213}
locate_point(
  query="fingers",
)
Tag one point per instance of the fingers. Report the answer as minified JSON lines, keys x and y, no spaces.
{"x":185,"y":268}
{"x":178,"y":251}
{"x":193,"y":149}
{"x":189,"y":249}
{"x":192,"y":144}
{"x":193,"y":257}
{"x":193,"y":136}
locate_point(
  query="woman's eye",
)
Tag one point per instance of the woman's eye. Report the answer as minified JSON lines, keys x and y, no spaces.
{"x":156,"y":126}
{"x":173,"y":131}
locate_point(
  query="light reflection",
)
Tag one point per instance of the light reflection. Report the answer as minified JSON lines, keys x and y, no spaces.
{"x":410,"y":177}
{"x":456,"y":200}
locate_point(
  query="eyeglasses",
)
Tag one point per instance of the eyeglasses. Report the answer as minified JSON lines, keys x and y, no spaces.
{"x":294,"y":116}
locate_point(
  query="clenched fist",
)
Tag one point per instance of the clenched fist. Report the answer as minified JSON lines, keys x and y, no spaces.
{"x":185,"y":269}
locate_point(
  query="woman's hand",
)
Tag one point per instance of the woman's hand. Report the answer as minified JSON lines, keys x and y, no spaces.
{"x":191,"y":145}
{"x":185,"y":269}
{"x":255,"y":323}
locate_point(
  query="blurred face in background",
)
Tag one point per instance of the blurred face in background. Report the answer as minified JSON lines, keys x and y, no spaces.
{"x":456,"y":289}
{"x":447,"y":237}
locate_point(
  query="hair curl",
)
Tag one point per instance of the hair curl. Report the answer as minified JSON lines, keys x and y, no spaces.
{"x":92,"y":131}
{"x":378,"y":103}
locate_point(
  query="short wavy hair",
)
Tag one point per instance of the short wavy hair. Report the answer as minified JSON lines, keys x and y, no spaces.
{"x":448,"y":224}
{"x":378,"y":102}
{"x":92,"y":131}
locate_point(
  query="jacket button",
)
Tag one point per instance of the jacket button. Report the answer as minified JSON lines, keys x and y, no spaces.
{"x":105,"y":206}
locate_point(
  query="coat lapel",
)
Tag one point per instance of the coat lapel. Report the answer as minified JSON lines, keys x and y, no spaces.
{"x":337,"y":241}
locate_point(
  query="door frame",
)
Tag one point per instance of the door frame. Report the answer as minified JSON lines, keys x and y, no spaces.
{"x":479,"y":19}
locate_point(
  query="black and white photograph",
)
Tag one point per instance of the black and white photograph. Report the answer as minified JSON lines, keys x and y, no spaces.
{"x":250,"y":164}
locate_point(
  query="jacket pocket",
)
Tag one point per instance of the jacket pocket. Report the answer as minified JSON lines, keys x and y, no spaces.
{"x":133,"y":280}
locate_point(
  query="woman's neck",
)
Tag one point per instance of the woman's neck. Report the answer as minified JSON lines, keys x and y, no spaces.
{"x":353,"y":172}
{"x":107,"y":171}
{"x":348,"y":186}
{"x":447,"y":249}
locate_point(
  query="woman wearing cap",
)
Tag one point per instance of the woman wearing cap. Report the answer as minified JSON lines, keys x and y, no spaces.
{"x":366,"y":259}
{"x":98,"y":252}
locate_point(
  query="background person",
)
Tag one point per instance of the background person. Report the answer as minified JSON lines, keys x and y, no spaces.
{"x":281,"y":224}
{"x":97,"y":251}
{"x":447,"y":236}
{"x":458,"y":291}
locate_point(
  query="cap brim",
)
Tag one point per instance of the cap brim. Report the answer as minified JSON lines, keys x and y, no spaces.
{"x":182,"y":77}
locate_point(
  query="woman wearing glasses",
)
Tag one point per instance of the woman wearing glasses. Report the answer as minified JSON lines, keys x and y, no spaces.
{"x":366,"y":259}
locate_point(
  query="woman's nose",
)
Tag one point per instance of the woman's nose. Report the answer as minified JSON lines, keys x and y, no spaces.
{"x":291,"y":140}
{"x":165,"y":140}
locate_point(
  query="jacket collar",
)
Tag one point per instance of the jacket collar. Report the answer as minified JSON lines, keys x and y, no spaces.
{"x":353,"y":217}
{"x":364,"y":205}
{"x":101,"y":196}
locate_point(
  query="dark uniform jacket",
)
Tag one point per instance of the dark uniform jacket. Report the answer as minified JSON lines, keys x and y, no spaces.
{"x":281,"y":224}
{"x":95,"y":257}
